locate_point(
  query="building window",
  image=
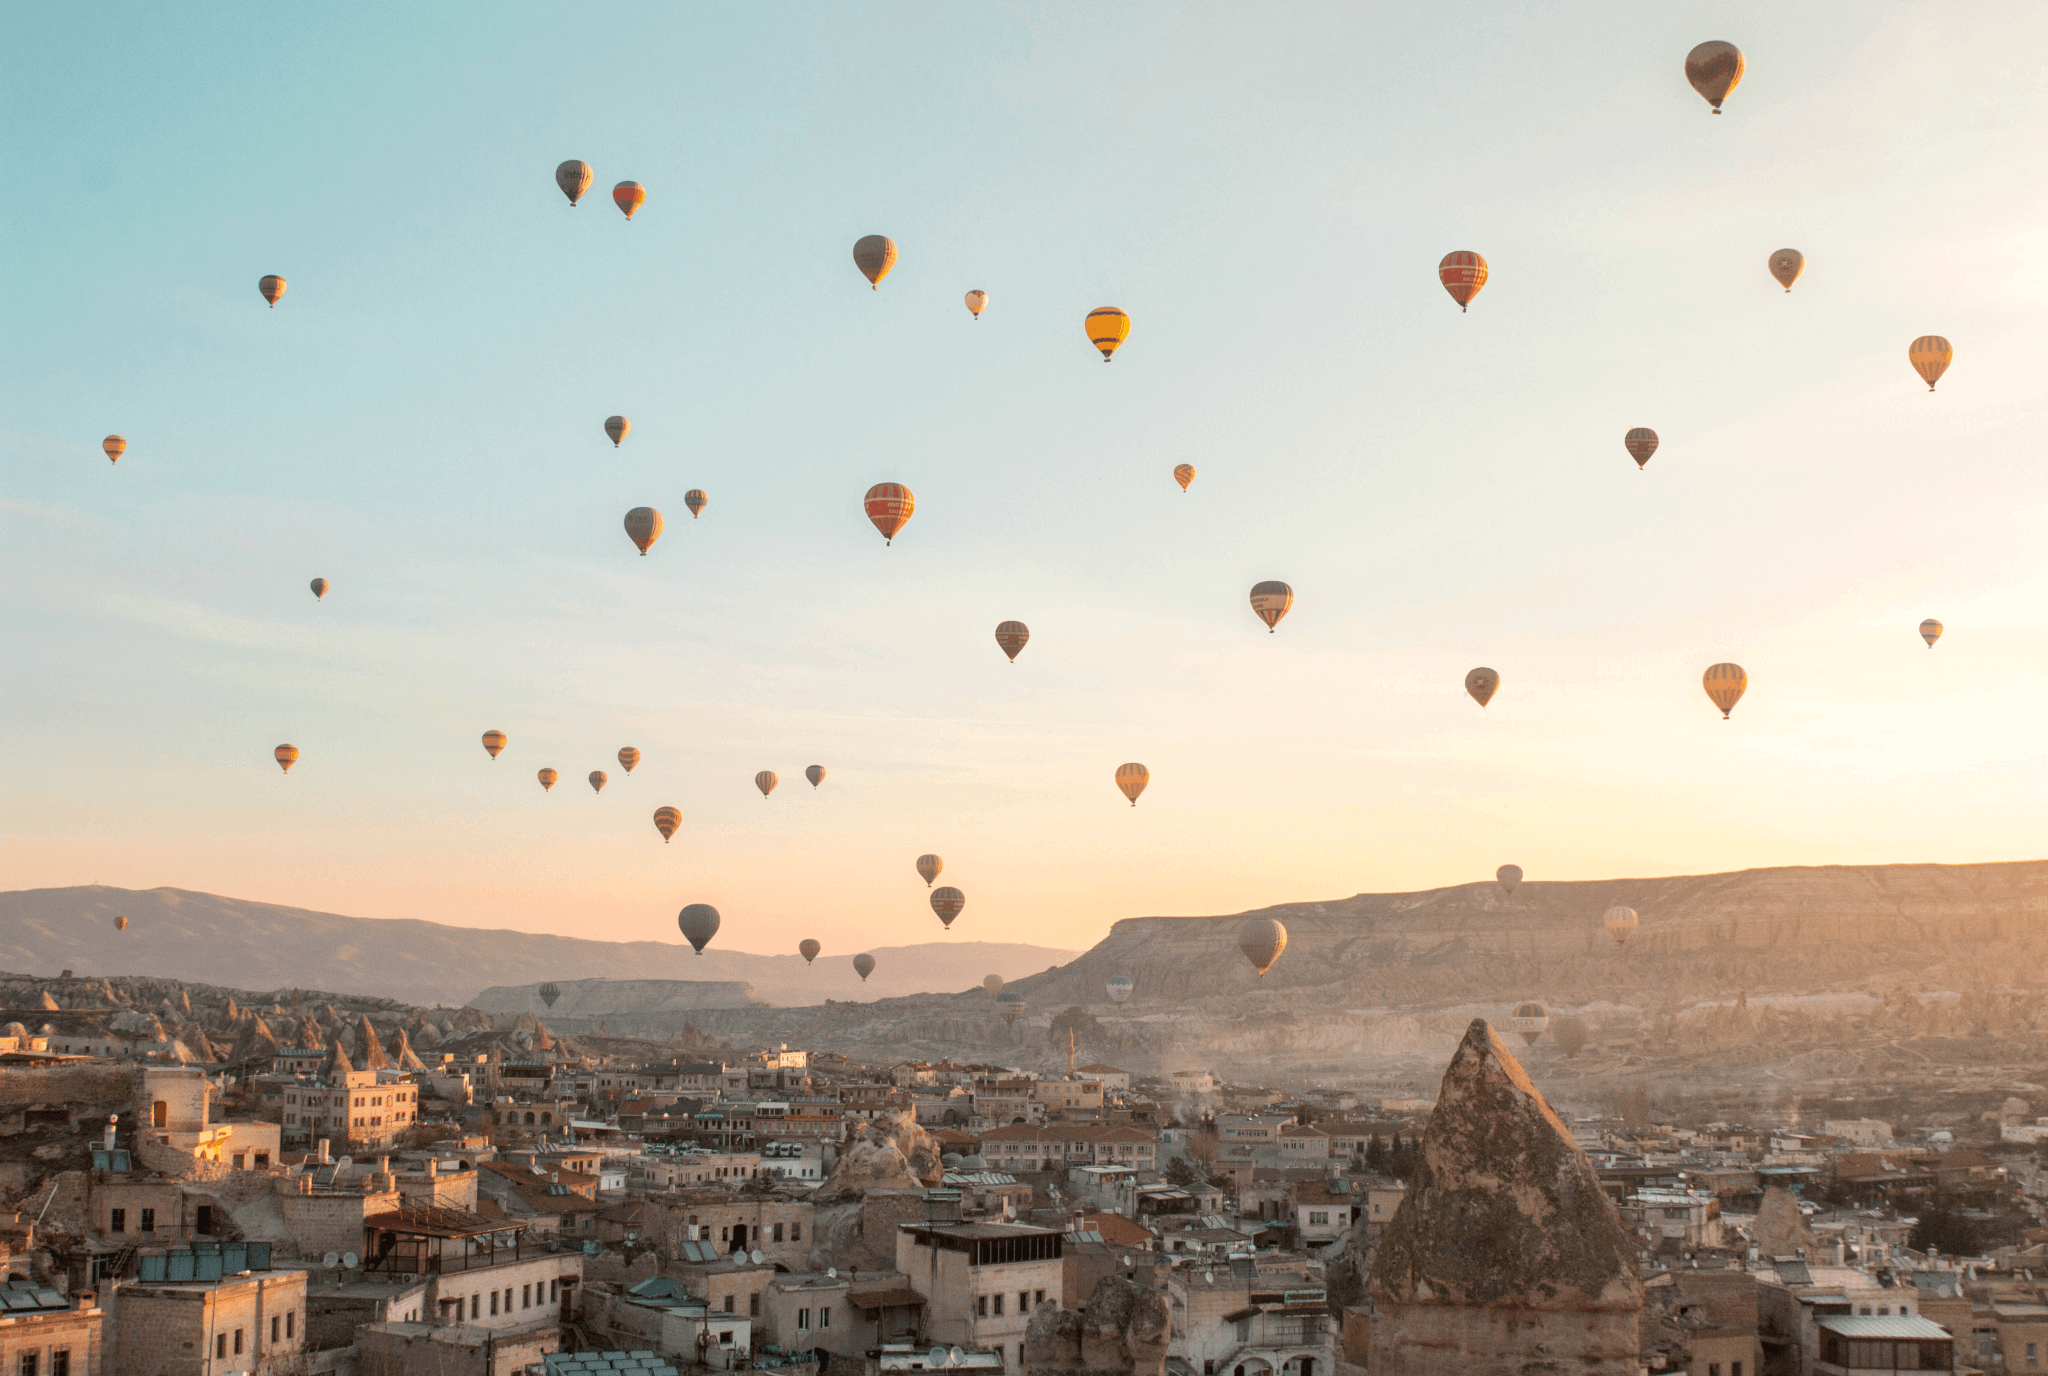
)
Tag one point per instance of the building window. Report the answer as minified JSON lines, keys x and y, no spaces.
{"x":273,"y":1328}
{"x":981,"y":1306}
{"x":825,"y":1317}
{"x":1713,"y":1369}
{"x":796,"y":1232}
{"x":999,"y":1306}
{"x":553,"y":1289}
{"x":526,"y":1297}
{"x":778,"y":1232}
{"x":1735,"y":1369}
{"x":728,"y":1304}
{"x":149,"y":1220}
{"x":1023,"y":1301}
{"x":238,"y":1340}
{"x":60,"y":1362}
{"x":494,"y":1301}
{"x":220,"y":1350}
{"x":754,"y":1305}
{"x":476,"y":1303}
{"x":803,"y":1318}
{"x":291,"y":1318}
{"x":117,"y":1221}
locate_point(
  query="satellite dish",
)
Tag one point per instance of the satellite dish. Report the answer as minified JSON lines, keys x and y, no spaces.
{"x":1208,"y":1277}
{"x":348,"y":1261}
{"x":831,"y":1273}
{"x":332,"y":1259}
{"x":756,"y":1256}
{"x":935,"y":1357}
{"x":955,"y":1356}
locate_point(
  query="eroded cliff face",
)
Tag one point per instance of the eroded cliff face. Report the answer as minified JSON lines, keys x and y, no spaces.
{"x":1122,"y":1331}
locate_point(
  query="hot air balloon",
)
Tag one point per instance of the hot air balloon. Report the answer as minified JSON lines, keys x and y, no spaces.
{"x":1725,"y":684}
{"x":120,"y":924}
{"x":1714,"y":68}
{"x":666,"y":820}
{"x":1270,"y":601}
{"x":1930,"y":631}
{"x":643,"y":527}
{"x":889,"y":505}
{"x":874,"y":255}
{"x":1012,"y":636}
{"x":1508,"y":876}
{"x":1011,"y":1004}
{"x":1120,"y":988}
{"x":494,"y":741}
{"x":1786,"y":265}
{"x":698,"y":923}
{"x":286,"y":756}
{"x":815,"y":773}
{"x":1621,"y":924}
{"x":1132,"y":778}
{"x":1482,"y":683}
{"x":598,"y":780}
{"x":1641,"y":442}
{"x":1108,"y":327}
{"x":977,"y":301}
{"x":618,"y":427}
{"x":549,"y":992}
{"x":1463,"y":273}
{"x":1930,"y":356}
{"x":629,"y":197}
{"x":696,"y":501}
{"x":547,"y":779}
{"x":808,"y":949}
{"x":574,"y":177}
{"x":272,"y":288}
{"x":766,"y":781}
{"x":319,"y":586}
{"x":115,"y":447}
{"x":929,"y":866}
{"x":1262,"y":939}
{"x":1184,"y":474}
{"x":1529,"y":1019}
{"x":947,"y":903}
{"x":992,"y":983}
{"x":628,"y":757}
{"x":864,"y":965}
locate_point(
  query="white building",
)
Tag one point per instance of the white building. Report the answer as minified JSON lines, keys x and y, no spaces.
{"x":981,"y":1282}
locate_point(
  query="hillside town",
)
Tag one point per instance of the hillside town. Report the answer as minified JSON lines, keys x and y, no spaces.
{"x":200,"y":1185}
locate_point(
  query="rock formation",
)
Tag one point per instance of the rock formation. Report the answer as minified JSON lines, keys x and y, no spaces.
{"x":369,"y":1051}
{"x":1505,"y":1257}
{"x":1122,"y":1332}
{"x":1780,"y":1229}
{"x":402,"y":1053}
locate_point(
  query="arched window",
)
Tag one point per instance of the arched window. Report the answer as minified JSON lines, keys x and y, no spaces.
{"x":529,"y":1120}
{"x":547,"y":1118}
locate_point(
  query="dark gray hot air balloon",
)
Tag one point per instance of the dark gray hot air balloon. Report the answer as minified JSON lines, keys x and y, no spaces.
{"x":549,"y":992}
{"x":1262,"y":940}
{"x":699,"y":923}
{"x":1508,"y":876}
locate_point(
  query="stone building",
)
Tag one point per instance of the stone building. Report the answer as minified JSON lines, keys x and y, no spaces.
{"x":1505,"y":1254}
{"x":42,"y":1331}
{"x":981,"y":1282}
{"x":255,"y":1322}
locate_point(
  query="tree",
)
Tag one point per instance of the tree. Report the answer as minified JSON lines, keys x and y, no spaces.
{"x":1569,"y":1034}
{"x":1941,"y":1226}
{"x":1376,"y":1155}
{"x":1183,"y":1172}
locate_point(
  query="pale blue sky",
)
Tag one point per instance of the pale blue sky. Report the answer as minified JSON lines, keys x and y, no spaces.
{"x":1267,"y":190}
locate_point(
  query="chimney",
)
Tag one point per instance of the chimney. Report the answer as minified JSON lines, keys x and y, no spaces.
{"x":325,"y":1159}
{"x":112,"y":1119}
{"x":433,"y":1167}
{"x":383,"y":1165}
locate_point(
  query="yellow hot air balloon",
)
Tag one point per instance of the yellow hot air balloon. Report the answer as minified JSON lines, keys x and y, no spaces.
{"x":643,"y":527}
{"x":628,"y":757}
{"x":1621,"y":924}
{"x":1786,"y":265}
{"x":1262,"y":939}
{"x":1011,"y":637}
{"x":1930,"y":631}
{"x":1725,"y":685}
{"x":120,"y":924}
{"x":1930,"y":356}
{"x":1108,"y":327}
{"x":618,"y":427}
{"x":666,"y":820}
{"x":547,"y":779}
{"x":948,"y":903}
{"x":766,"y":781}
{"x":1184,"y":474}
{"x":808,"y":949}
{"x":977,"y":301}
{"x":1482,"y":683}
{"x":1463,"y":273}
{"x":1714,"y":68}
{"x":272,"y":288}
{"x":696,"y":501}
{"x":816,"y":774}
{"x":1270,"y":601}
{"x":115,"y":447}
{"x":1132,"y":778}
{"x":1640,"y":442}
{"x":874,"y":255}
{"x":929,"y":866}
{"x":629,"y":197}
{"x":319,"y":587}
{"x":574,"y":177}
{"x":286,"y":756}
{"x":598,"y":780}
{"x":889,"y":506}
{"x":494,"y":741}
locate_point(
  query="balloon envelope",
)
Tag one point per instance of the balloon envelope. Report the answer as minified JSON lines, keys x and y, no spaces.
{"x":643,"y":527}
{"x":1508,"y":876}
{"x":1012,"y":636}
{"x":864,"y":965}
{"x":766,"y":781}
{"x":1529,"y":1019}
{"x":1786,"y":265}
{"x":618,"y":427}
{"x":494,"y":741}
{"x":629,"y":197}
{"x":574,"y":177}
{"x":929,"y":866}
{"x":666,"y":820}
{"x":286,"y":756}
{"x":1184,"y":474}
{"x":1641,"y":442}
{"x":549,"y":992}
{"x":698,"y":923}
{"x":1011,"y":1003}
{"x":1725,"y":685}
{"x":808,"y":949}
{"x":1930,"y":356}
{"x":1621,"y":923}
{"x":874,"y":255}
{"x":319,"y":586}
{"x":1120,"y":988}
{"x":120,"y":924}
{"x":696,"y":501}
{"x":1463,"y":273}
{"x":1131,"y":779}
{"x":1482,"y":683}
{"x":1262,"y":939}
{"x":889,"y":506}
{"x":1270,"y":601}
{"x":992,"y":983}
{"x":1108,"y":327}
{"x":1930,"y":631}
{"x":272,"y":288}
{"x":816,"y":774}
{"x":598,"y":780}
{"x":547,"y":779}
{"x":1714,"y":68}
{"x":977,"y":301}
{"x":115,"y":447}
{"x":947,"y":903}
{"x":628,"y":757}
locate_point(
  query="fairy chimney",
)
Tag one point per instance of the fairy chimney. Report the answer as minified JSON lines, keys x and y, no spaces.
{"x":1505,"y":1255}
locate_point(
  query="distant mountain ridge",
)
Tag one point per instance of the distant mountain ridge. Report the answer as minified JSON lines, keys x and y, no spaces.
{"x":180,"y":934}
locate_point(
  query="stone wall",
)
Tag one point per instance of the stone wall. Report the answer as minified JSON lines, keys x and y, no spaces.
{"x":331,"y":1222}
{"x":71,"y":1084}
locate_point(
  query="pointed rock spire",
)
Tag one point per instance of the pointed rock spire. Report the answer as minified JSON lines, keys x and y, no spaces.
{"x":338,"y":1067}
{"x":403,"y":1054}
{"x":50,"y":1004}
{"x":1780,"y":1229}
{"x":369,"y":1051}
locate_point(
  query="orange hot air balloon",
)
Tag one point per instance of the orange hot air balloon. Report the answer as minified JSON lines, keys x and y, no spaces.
{"x":1786,"y":265}
{"x":494,"y":741}
{"x":1012,"y":636}
{"x":808,"y":949}
{"x":629,"y":197}
{"x":547,"y":779}
{"x":1930,"y":356}
{"x":628,"y":757}
{"x":618,"y":427}
{"x":947,"y":903}
{"x":1482,"y":683}
{"x":1184,"y":474}
{"x":1725,"y":685}
{"x":1930,"y":631}
{"x":1641,"y":442}
{"x":598,"y":780}
{"x":574,"y":177}
{"x":815,"y":773}
{"x":286,"y":756}
{"x":1714,"y":68}
{"x":1270,"y":601}
{"x":1262,"y":940}
{"x":889,"y":506}
{"x":272,"y":288}
{"x":874,"y":255}
{"x":1108,"y":328}
{"x":977,"y":302}
{"x":115,"y":447}
{"x":643,"y":527}
{"x":319,"y":587}
{"x":120,"y":924}
{"x":766,"y":781}
{"x":666,"y":820}
{"x":1132,"y":778}
{"x":696,"y":501}
{"x":1463,"y":273}
{"x":929,"y":866}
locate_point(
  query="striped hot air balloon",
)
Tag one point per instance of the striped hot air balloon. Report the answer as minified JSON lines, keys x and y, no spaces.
{"x":1930,"y":356}
{"x":115,"y":447}
{"x":574,"y":177}
{"x":928,"y":866}
{"x":1725,"y":685}
{"x":286,"y":756}
{"x":947,"y":903}
{"x":1641,"y":442}
{"x":889,"y":506}
{"x":1012,"y":636}
{"x":766,"y":781}
{"x":547,"y":779}
{"x":618,"y":427}
{"x":494,"y":741}
{"x":1184,"y":474}
{"x":1270,"y":601}
{"x":1930,"y":631}
{"x":874,"y":255}
{"x":1131,"y":779}
{"x":598,"y":780}
{"x":1463,"y":273}
{"x":643,"y":527}
{"x":272,"y":288}
{"x":1621,"y":924}
{"x":628,"y":757}
{"x":629,"y":197}
{"x":1262,"y":939}
{"x":1108,"y":327}
{"x":696,"y":501}
{"x":666,"y":820}
{"x":1482,"y":683}
{"x":1529,"y":1019}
